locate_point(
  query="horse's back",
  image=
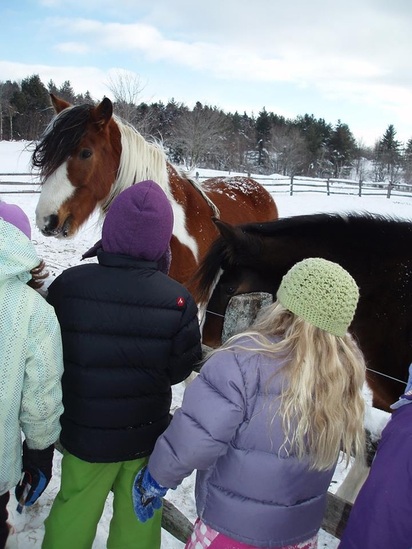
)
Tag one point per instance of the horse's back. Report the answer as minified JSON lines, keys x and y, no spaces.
{"x":241,"y":199}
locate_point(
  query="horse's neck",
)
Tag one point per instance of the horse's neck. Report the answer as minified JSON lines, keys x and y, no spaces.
{"x":139,"y":161}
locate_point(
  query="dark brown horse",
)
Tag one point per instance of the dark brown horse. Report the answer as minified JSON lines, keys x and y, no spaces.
{"x":376,"y":250}
{"x":87,"y":156}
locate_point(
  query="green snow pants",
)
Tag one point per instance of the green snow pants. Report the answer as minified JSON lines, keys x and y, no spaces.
{"x":78,"y":506}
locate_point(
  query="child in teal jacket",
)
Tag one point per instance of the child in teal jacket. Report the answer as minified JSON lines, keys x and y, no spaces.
{"x":31,"y":362}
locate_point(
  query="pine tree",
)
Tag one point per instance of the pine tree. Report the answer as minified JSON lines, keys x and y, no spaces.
{"x":263,"y":127}
{"x":33,"y":108}
{"x":342,"y":147}
{"x":388,"y":155}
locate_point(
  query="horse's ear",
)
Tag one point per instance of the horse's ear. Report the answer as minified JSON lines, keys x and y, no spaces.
{"x":225,"y":229}
{"x":231,"y":233}
{"x":59,"y":104}
{"x":238,"y":245}
{"x":103,"y":112}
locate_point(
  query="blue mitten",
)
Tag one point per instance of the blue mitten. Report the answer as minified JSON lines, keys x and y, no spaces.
{"x":147,"y":495}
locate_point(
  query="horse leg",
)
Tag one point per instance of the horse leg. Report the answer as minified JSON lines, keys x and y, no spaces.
{"x":375,"y":421}
{"x":354,"y":480}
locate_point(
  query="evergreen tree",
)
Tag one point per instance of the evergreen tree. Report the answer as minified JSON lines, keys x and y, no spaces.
{"x":263,"y":127}
{"x":33,"y":108}
{"x":66,"y":92}
{"x":317,"y":135}
{"x":408,"y":162}
{"x":7,"y":110}
{"x":388,"y":155}
{"x":342,"y":147}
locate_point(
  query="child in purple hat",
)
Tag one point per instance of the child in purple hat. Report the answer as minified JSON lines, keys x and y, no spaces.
{"x":129,"y":333}
{"x":15,"y":215}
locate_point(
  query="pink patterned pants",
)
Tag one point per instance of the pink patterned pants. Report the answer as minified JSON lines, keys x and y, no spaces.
{"x":204,"y":537}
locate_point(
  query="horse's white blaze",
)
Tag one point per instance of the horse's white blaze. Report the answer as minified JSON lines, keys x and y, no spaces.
{"x":180,"y":231}
{"x":141,"y":160}
{"x":55,"y":190}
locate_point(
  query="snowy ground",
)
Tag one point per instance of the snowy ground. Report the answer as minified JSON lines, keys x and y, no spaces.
{"x":60,"y":254}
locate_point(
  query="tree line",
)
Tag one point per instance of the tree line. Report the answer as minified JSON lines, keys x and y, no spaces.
{"x":207,"y":137}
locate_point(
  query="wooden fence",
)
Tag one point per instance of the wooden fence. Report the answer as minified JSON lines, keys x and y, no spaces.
{"x":331,"y":186}
{"x":18,"y":183}
{"x":14,"y":183}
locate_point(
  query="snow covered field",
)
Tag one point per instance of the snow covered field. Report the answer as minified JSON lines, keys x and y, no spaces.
{"x":60,"y":254}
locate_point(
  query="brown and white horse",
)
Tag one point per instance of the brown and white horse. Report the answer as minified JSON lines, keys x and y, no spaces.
{"x":87,"y":156}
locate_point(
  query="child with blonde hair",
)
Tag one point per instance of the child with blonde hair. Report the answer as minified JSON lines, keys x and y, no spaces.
{"x":266,"y":418}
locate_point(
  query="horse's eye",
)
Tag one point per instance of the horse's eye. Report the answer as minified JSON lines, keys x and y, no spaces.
{"x":230,"y":290}
{"x":85,"y":153}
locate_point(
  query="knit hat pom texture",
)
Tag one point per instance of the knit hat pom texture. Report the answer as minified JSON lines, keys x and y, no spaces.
{"x":321,"y":292}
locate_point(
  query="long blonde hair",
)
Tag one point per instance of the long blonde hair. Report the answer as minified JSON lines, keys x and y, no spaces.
{"x":322,"y":406}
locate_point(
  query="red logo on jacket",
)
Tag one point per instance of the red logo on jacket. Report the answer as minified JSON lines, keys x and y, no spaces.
{"x":180,"y":301}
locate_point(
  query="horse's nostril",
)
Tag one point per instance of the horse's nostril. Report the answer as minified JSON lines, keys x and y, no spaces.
{"x":51,"y":222}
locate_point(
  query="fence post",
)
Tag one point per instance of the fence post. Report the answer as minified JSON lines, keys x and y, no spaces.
{"x":291,"y":186}
{"x":360,"y":187}
{"x":327,"y":187}
{"x":390,"y":186}
{"x":242,"y":310}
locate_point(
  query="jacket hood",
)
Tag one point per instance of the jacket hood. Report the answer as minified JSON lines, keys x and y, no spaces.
{"x":17,"y":253}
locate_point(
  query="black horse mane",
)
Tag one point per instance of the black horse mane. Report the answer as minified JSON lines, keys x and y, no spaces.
{"x":378,"y":234}
{"x":60,"y":139}
{"x":352,"y":222}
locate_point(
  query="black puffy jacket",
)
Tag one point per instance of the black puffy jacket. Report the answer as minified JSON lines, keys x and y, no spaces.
{"x":129,"y":333}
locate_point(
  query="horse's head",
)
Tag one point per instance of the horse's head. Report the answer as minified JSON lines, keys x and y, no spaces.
{"x":231,"y":267}
{"x":78,"y":157}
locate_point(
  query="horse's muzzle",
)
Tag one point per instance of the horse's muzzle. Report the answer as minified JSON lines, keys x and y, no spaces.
{"x":51,"y":226}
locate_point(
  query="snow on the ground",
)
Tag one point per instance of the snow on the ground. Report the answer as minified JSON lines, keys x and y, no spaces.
{"x":60,"y":254}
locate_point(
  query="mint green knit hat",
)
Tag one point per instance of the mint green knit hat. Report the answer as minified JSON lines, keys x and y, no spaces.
{"x":322,"y":293}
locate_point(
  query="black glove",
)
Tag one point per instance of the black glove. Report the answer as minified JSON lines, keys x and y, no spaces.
{"x":37,"y":472}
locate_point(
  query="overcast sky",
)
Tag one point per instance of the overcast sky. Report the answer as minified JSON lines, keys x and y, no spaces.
{"x":348,"y":61}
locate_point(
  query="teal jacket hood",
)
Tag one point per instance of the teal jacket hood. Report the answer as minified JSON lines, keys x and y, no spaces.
{"x":17,"y":253}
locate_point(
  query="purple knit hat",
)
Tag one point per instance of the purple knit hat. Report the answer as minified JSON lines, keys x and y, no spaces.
{"x":15,"y":215}
{"x":139,"y":222}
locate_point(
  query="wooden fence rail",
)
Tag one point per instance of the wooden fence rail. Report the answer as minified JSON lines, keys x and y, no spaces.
{"x":15,"y":181}
{"x":331,"y":186}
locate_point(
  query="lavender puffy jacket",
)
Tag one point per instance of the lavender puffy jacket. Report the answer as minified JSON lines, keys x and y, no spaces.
{"x":246,"y":486}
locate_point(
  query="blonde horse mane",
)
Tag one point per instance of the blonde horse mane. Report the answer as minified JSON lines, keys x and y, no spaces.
{"x":139,"y":161}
